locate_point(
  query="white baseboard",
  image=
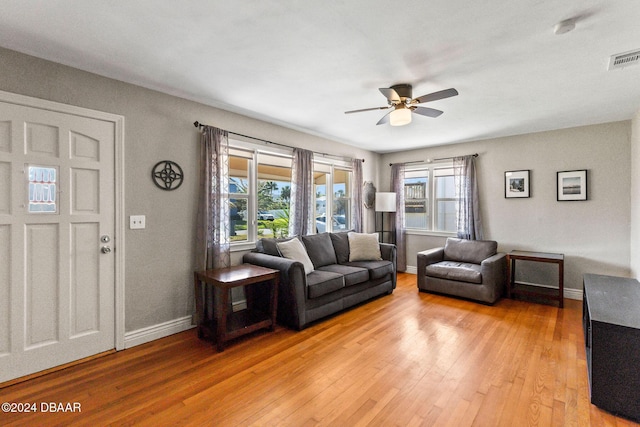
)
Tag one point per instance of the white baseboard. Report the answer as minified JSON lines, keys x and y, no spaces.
{"x":411,"y":269}
{"x":239,"y":305}
{"x":573,"y":294}
{"x":151,"y":333}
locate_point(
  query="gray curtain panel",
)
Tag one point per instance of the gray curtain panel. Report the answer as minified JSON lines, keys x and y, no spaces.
{"x":212,"y":235}
{"x":397,"y":186}
{"x":356,"y":194}
{"x":302,"y":194}
{"x":467,"y":199}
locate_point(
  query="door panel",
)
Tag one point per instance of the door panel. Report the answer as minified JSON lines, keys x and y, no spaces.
{"x":57,"y":289}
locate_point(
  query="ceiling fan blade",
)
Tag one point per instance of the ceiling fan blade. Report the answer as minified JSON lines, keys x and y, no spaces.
{"x":390,"y":94}
{"x":384,"y":119}
{"x":435,"y":96}
{"x":424,"y":111}
{"x":366,"y":109}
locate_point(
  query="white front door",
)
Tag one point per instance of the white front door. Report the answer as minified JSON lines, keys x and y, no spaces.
{"x":57,"y":226}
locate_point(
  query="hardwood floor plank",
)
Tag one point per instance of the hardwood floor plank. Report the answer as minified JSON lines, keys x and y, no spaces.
{"x":407,"y":359}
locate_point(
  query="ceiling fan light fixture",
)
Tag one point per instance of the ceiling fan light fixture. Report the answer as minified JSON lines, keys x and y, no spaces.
{"x":400,"y":117}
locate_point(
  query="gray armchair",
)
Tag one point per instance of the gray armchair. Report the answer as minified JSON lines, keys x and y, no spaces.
{"x":465,"y":268}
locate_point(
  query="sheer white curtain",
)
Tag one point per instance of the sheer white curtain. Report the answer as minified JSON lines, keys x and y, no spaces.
{"x":397,"y":186}
{"x":212,"y":234}
{"x":467,"y":198}
{"x":302,"y":194}
{"x":356,"y":195}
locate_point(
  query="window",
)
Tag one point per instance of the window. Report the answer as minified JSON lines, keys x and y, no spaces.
{"x":42,"y":189}
{"x":239,"y":193}
{"x":338,"y":203}
{"x":274,"y":194}
{"x":429,"y":198}
{"x":341,"y":200}
{"x":260,"y":194}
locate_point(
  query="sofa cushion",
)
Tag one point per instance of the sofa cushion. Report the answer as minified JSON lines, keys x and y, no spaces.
{"x":473,"y":251}
{"x":341,"y":246}
{"x":377,"y":269}
{"x":320,"y":249}
{"x":294,"y":249}
{"x":269,"y":245}
{"x":364,"y":247}
{"x":352,"y":275}
{"x":454,"y":270}
{"x":323,"y":282}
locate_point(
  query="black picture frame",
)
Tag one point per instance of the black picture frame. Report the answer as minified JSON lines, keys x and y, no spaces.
{"x":517,"y":184}
{"x":572,"y":185}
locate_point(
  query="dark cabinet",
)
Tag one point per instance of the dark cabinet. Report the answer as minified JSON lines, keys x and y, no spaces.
{"x":611,"y":322}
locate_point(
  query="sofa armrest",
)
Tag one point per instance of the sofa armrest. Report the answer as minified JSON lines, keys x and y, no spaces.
{"x":494,"y":270}
{"x":389,"y":252}
{"x":291,"y":291}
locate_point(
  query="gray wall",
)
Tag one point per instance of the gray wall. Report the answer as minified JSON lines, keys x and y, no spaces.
{"x":635,"y":195}
{"x":159,"y":259}
{"x":594,"y":235}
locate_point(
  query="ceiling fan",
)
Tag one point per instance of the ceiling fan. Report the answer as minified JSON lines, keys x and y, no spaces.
{"x":400,"y":100}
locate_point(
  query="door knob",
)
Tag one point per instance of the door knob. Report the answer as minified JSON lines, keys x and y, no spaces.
{"x":105,"y":249}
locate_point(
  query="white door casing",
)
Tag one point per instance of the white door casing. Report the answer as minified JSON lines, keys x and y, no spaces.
{"x":61,"y":286}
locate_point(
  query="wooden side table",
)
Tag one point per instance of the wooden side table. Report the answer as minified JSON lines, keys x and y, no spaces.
{"x":516,"y":288}
{"x":224,"y":324}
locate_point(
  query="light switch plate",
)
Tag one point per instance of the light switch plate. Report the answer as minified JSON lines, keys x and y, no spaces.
{"x":136,"y":222}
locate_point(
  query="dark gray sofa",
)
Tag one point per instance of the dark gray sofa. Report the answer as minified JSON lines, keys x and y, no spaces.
{"x":335,"y":283}
{"x":465,"y":268}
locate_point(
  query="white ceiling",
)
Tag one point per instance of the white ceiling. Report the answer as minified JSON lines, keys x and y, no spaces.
{"x":301,"y":64}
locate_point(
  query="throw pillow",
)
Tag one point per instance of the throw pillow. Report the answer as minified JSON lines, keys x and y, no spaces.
{"x":293,"y":249}
{"x":364,"y":247}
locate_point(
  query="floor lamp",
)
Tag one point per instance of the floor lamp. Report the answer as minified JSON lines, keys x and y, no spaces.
{"x":385,"y":202}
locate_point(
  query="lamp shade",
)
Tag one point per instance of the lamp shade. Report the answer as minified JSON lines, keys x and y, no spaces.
{"x":385,"y":202}
{"x":400,"y":117}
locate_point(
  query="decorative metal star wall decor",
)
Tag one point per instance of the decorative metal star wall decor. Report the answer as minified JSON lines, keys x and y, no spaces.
{"x":167,"y":175}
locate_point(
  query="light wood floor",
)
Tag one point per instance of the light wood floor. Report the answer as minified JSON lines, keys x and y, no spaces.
{"x":406,"y":359}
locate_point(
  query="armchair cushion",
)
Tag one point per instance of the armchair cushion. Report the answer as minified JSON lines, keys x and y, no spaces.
{"x":472,"y":251}
{"x":453,"y":270}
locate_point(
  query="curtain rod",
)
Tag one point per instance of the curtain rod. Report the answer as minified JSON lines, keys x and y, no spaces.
{"x":199,"y":125}
{"x":434,"y":160}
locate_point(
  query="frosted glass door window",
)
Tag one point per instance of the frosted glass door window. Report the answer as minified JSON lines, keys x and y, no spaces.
{"x":42,"y":189}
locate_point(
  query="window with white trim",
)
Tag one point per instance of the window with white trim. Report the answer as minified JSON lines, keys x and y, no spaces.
{"x":430,"y":198}
{"x":260,"y":193}
{"x":338,"y":201}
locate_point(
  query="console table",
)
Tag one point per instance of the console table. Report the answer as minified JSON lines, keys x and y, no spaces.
{"x":517,"y":288}
{"x":611,"y":322}
{"x":261,"y":289}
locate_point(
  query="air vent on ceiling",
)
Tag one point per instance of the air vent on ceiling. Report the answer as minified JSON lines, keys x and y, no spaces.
{"x":626,"y":59}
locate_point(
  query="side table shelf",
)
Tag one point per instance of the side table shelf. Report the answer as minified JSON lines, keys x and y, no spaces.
{"x":261,"y":289}
{"x":518,"y":288}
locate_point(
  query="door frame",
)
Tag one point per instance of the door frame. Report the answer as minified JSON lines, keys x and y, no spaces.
{"x":118,"y":238}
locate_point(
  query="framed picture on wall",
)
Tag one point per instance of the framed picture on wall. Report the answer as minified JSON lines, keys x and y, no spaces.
{"x":516,"y":184}
{"x":572,"y":185}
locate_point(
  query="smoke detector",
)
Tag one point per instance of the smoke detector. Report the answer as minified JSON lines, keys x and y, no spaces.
{"x":622,"y":60}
